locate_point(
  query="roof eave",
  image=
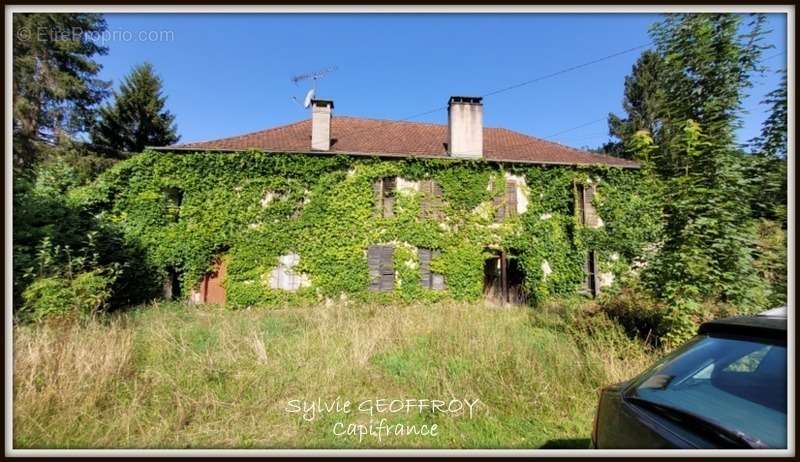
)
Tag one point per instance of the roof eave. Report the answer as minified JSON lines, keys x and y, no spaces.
{"x":388,"y":155}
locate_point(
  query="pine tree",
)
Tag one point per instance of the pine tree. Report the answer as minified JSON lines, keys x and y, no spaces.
{"x":642,"y":102}
{"x":137,"y":118}
{"x":55,"y":85}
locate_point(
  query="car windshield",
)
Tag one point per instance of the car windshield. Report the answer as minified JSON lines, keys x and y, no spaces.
{"x":737,"y":384}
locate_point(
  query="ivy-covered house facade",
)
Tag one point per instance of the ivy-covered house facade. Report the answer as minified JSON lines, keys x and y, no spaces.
{"x":333,"y":207}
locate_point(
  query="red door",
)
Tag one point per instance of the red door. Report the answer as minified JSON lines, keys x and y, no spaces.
{"x":212,"y":290}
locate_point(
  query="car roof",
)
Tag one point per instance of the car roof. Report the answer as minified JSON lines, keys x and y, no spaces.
{"x":770,"y":324}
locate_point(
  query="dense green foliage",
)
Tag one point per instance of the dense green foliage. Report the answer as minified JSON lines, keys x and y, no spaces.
{"x":767,"y":167}
{"x":323,"y":208}
{"x":137,"y":118}
{"x":56,"y":88}
{"x":61,"y":250}
{"x":643,"y":102}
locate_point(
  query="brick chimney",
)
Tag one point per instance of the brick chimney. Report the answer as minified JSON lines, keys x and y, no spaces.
{"x":321,"y":124}
{"x":465,"y":127}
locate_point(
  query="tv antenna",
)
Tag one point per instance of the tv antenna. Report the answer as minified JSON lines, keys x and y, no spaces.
{"x":313,"y":77}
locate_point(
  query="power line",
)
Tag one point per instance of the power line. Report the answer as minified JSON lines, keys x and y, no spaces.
{"x":774,"y":56}
{"x":522,"y":84}
{"x":574,"y":128}
{"x":563,"y":71}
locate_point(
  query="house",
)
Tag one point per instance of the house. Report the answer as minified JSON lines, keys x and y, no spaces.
{"x":463,"y":138}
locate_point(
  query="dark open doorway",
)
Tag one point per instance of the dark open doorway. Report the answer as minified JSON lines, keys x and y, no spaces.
{"x":172,"y":284}
{"x":504,"y":280}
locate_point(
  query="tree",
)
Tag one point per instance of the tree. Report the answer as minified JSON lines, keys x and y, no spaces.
{"x":55,"y":88}
{"x":642,"y":102}
{"x":767,"y":166}
{"x":708,"y":65}
{"x":772,"y":141}
{"x":137,"y":118}
{"x":707,"y":253}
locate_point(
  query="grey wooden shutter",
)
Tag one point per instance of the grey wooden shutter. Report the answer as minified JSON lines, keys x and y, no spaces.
{"x":438,"y":201}
{"x":590,"y":270}
{"x":389,"y":186}
{"x":499,"y":213}
{"x":590,"y":213}
{"x":374,"y":264}
{"x":429,"y":279}
{"x":426,"y":193}
{"x":577,"y":190}
{"x":425,"y":267}
{"x":387,"y":268}
{"x":511,"y":198}
{"x":437,"y":280}
{"x":377,"y":189}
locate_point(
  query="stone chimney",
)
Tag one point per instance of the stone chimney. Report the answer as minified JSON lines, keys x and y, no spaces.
{"x":321,"y":124}
{"x":465,"y":127}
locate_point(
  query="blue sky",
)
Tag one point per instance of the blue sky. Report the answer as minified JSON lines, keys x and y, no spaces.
{"x":227,"y":74}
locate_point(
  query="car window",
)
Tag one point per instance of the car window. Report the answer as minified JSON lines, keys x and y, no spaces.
{"x":749,"y":362}
{"x":738,"y":384}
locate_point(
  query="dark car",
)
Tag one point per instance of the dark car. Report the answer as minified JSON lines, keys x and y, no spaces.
{"x":725,"y":388}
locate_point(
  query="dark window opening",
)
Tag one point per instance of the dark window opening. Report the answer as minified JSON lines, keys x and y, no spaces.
{"x":384,"y":196}
{"x":172,"y":284}
{"x":380,"y":260}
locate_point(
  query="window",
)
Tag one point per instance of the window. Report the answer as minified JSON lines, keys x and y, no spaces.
{"x":506,"y":204}
{"x":590,"y":274}
{"x":284,"y":277}
{"x":173,"y":197}
{"x":431,"y":199}
{"x":380,"y":260}
{"x":584,"y":195}
{"x":384,"y":196}
{"x":428,"y":279}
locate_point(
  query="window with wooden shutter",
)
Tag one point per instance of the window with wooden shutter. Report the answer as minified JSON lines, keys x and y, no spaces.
{"x":380,"y":260}
{"x":506,"y":204}
{"x":431,"y":199}
{"x":584,"y":206}
{"x":511,"y":198}
{"x":384,"y":190}
{"x":590,"y":274}
{"x":588,"y":206}
{"x":429,"y":279}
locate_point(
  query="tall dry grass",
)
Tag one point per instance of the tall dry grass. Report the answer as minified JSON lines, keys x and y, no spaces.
{"x":180,"y":376}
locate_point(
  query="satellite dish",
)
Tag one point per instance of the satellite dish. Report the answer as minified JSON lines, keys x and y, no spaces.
{"x":308,"y":98}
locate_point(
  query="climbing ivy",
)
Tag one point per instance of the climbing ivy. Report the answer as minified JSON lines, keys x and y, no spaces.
{"x":252,"y":207}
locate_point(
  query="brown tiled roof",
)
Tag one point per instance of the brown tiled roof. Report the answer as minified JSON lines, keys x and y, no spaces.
{"x":359,"y":136}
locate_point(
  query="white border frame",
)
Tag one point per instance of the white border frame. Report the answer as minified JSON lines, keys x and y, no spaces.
{"x":789,"y":10}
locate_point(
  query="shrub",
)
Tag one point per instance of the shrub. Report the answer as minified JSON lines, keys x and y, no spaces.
{"x":84,"y":295}
{"x":659,"y":322}
{"x":638,"y":313}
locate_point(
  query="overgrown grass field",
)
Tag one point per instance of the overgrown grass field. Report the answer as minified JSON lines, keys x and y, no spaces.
{"x":179,"y":376}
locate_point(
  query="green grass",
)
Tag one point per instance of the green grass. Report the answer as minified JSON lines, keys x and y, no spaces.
{"x":178,"y":376}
